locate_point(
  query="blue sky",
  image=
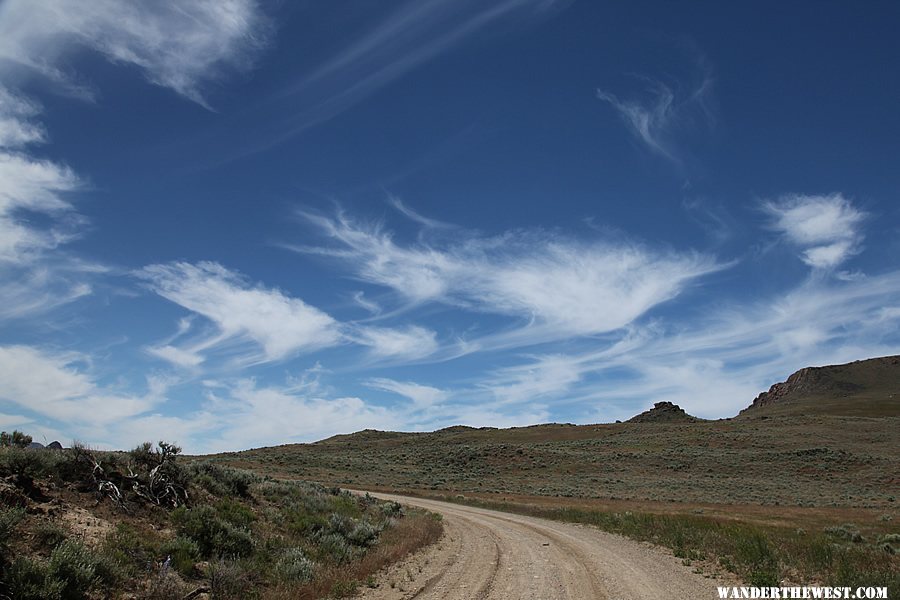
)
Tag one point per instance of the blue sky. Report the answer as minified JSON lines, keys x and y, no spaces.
{"x":233,"y":223}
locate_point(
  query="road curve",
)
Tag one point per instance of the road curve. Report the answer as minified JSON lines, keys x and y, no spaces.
{"x":487,"y":555}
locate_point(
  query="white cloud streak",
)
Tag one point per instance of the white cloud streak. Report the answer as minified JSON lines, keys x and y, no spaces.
{"x":249,"y":415}
{"x":557,"y":286}
{"x":659,"y":119}
{"x":400,"y":41}
{"x":278,"y":324}
{"x":29,"y":185}
{"x":179,"y":44}
{"x":52,"y":385}
{"x":550,"y":375}
{"x":409,"y":343}
{"x":422,"y":396}
{"x":16,"y":127}
{"x":36,"y":276}
{"x":716,"y":366}
{"x":825,"y":228}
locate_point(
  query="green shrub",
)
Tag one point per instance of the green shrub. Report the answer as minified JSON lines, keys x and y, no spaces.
{"x":235,"y":513}
{"x":132,"y":551}
{"x":315,"y":503}
{"x":305,"y":523}
{"x":363,"y":534}
{"x":392,"y":509}
{"x":294,"y":567}
{"x":71,"y":573}
{"x":27,"y":462}
{"x":49,"y":534}
{"x":9,"y":521}
{"x":233,"y":542}
{"x":70,"y":565}
{"x":183,"y":552}
{"x":340,"y":524}
{"x":27,"y":579}
{"x":333,"y":547}
{"x":222,"y":481}
{"x":16,"y":438}
{"x":214,"y":536}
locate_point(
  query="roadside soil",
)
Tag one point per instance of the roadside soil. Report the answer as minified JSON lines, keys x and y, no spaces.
{"x":488,"y":555}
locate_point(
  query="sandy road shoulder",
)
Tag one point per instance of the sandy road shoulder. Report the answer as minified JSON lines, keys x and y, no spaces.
{"x":486,"y":554}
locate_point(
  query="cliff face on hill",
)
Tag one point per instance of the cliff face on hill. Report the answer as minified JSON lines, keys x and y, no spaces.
{"x":875,"y":375}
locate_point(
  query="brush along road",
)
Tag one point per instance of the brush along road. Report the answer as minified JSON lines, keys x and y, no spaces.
{"x":486,"y":554}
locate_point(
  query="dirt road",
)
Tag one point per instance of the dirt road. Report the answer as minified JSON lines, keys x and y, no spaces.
{"x":493,"y":555}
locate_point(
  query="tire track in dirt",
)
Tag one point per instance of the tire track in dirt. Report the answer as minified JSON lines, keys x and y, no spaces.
{"x":458,"y":573}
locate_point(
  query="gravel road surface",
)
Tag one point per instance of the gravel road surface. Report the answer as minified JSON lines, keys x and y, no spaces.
{"x":486,"y":554}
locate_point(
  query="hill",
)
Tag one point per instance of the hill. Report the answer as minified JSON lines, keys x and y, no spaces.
{"x":663,"y":412}
{"x":831,"y":438}
{"x":864,"y":388}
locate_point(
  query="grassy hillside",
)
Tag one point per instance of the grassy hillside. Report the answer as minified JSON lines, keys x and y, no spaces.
{"x":799,"y":499}
{"x":809,"y":461}
{"x":78,"y":524}
{"x":828,"y":437}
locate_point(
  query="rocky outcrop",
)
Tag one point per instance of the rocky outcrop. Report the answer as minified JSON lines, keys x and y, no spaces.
{"x":663,"y":412}
{"x":835,"y":381}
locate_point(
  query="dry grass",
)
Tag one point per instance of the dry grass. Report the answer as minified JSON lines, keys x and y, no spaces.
{"x":415,"y":531}
{"x":825,"y":462}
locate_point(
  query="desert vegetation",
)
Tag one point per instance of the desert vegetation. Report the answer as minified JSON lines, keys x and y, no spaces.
{"x":799,"y":488}
{"x":79,"y":523}
{"x":810,"y":461}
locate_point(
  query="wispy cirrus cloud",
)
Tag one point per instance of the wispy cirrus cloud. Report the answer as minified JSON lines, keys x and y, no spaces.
{"x":35,"y":186}
{"x":277,"y":324}
{"x":249,"y":414}
{"x":549,"y":375}
{"x":255,"y":324}
{"x":410,"y":342}
{"x":58,"y":386}
{"x":666,"y":113}
{"x":715,"y":365}
{"x":179,"y":44}
{"x":36,"y":275}
{"x":826,"y":228}
{"x":422,"y":396}
{"x":17,"y":127}
{"x":30,"y":291}
{"x":395,"y":44}
{"x":554,"y":286}
{"x":30,"y":185}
